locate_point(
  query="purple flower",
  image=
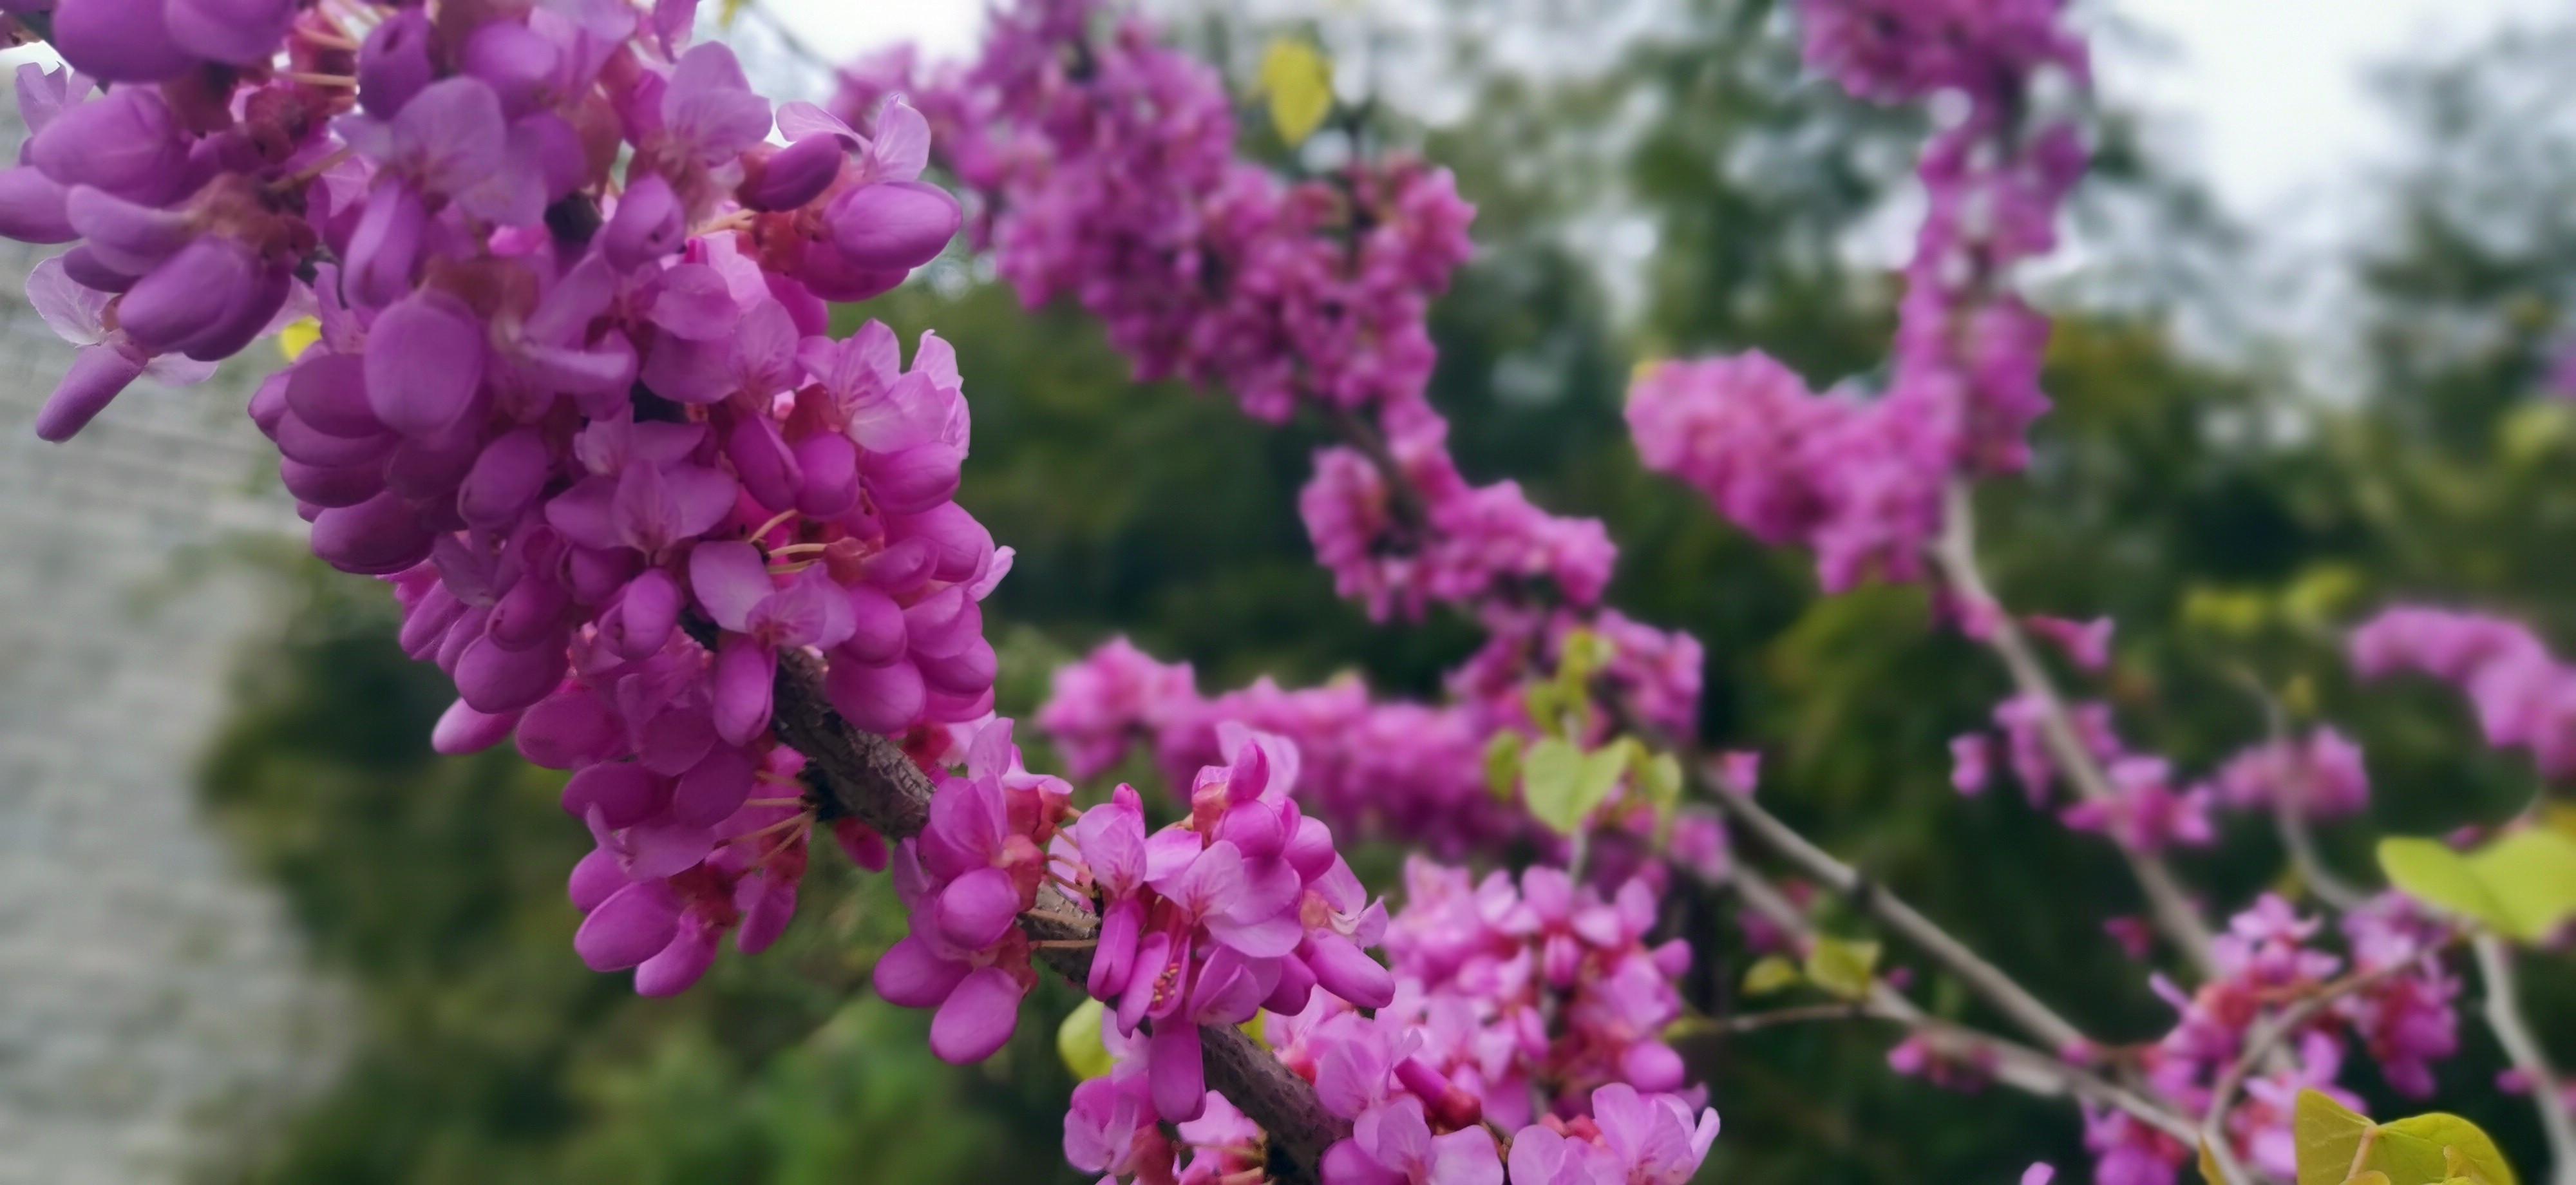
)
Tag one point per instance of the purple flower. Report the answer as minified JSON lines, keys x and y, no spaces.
{"x":732,"y":583}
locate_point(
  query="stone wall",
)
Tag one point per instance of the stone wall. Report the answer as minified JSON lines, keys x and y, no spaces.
{"x":155,"y":1008}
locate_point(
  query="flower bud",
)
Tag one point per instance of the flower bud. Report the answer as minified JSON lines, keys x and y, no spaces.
{"x":893,"y":224}
{"x":188,"y":295}
{"x":126,"y":142}
{"x":424,"y":363}
{"x":378,"y":536}
{"x":395,"y":63}
{"x":129,"y":237}
{"x":913,"y":480}
{"x":97,"y":375}
{"x":118,"y":40}
{"x":517,"y":61}
{"x":886,"y":699}
{"x":647,"y":224}
{"x":32,"y":207}
{"x":791,"y":176}
{"x":235,"y":32}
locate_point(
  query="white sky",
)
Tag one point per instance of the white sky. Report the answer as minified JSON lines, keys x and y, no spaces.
{"x":2267,"y":95}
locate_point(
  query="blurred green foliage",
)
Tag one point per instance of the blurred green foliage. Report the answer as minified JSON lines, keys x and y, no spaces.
{"x":2231,"y":524}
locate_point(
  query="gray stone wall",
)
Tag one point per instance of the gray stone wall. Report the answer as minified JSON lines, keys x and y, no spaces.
{"x":155,"y":1009}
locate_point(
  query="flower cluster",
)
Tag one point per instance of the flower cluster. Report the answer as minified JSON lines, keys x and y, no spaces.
{"x":1388,"y":769}
{"x":1112,"y":179}
{"x":1860,"y":481}
{"x":1543,"y":989}
{"x":1463,"y":1051}
{"x":1902,"y":51}
{"x":570,"y":390}
{"x":1385,"y":769}
{"x":2523,"y":695}
{"x":975,"y":868}
{"x":2318,"y":777}
{"x":2403,"y":1014}
{"x":2148,"y":809}
{"x":1244,"y":905}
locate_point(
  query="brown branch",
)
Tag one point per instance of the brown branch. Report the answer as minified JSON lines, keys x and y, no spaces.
{"x":870,"y":779}
{"x":1956,"y":554}
{"x":2032,"y":1071}
{"x":2522,"y":1047}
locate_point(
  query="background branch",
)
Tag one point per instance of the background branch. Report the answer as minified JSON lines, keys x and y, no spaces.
{"x":2504,"y":1015}
{"x":1956,"y":554}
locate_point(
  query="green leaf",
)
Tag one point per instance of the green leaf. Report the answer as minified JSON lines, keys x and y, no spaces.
{"x":2532,"y":874}
{"x":2328,"y":1138}
{"x":1771,"y":973}
{"x":2468,"y":1151}
{"x":1563,"y":784}
{"x":1299,"y":83}
{"x":1658,"y":776}
{"x":1546,"y":705}
{"x":2336,"y":1144}
{"x":1583,"y":655}
{"x":1843,"y":967}
{"x":1077,"y":1040}
{"x":1503,"y":765}
{"x":2522,"y":885}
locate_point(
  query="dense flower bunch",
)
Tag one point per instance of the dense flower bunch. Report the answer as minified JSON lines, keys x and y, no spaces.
{"x":2524,"y":697}
{"x":571,"y":391}
{"x":1379,"y":768}
{"x":1465,"y":1050}
{"x":1389,"y":769}
{"x":1110,"y":176}
{"x":2404,"y":1017}
{"x":1858,"y":480}
{"x":1243,"y":905}
{"x":1490,"y":963}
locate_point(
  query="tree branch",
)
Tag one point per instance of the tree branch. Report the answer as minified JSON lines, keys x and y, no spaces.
{"x":2504,"y":1015}
{"x":869,"y":778}
{"x":2261,"y":1045}
{"x":2019,"y":1066}
{"x":1956,"y":554}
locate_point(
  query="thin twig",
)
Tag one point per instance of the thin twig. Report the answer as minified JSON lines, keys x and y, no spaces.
{"x":2289,"y":803}
{"x":1956,"y":554}
{"x":1995,"y":985}
{"x":2019,"y":1066}
{"x":2270,"y":1037}
{"x":2504,"y":1015}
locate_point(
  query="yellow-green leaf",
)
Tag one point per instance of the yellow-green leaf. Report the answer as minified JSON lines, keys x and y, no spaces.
{"x":1299,"y":83}
{"x":1583,"y":654}
{"x":1658,"y":776}
{"x":1843,"y":967}
{"x":1503,"y":765}
{"x":2467,"y":1150}
{"x":2328,"y":1138}
{"x":2522,"y":885}
{"x":1562,"y":784}
{"x":2531,"y":873}
{"x":2430,"y":872}
{"x":1771,"y":973}
{"x":1077,"y":1040}
{"x":2337,"y":1145}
